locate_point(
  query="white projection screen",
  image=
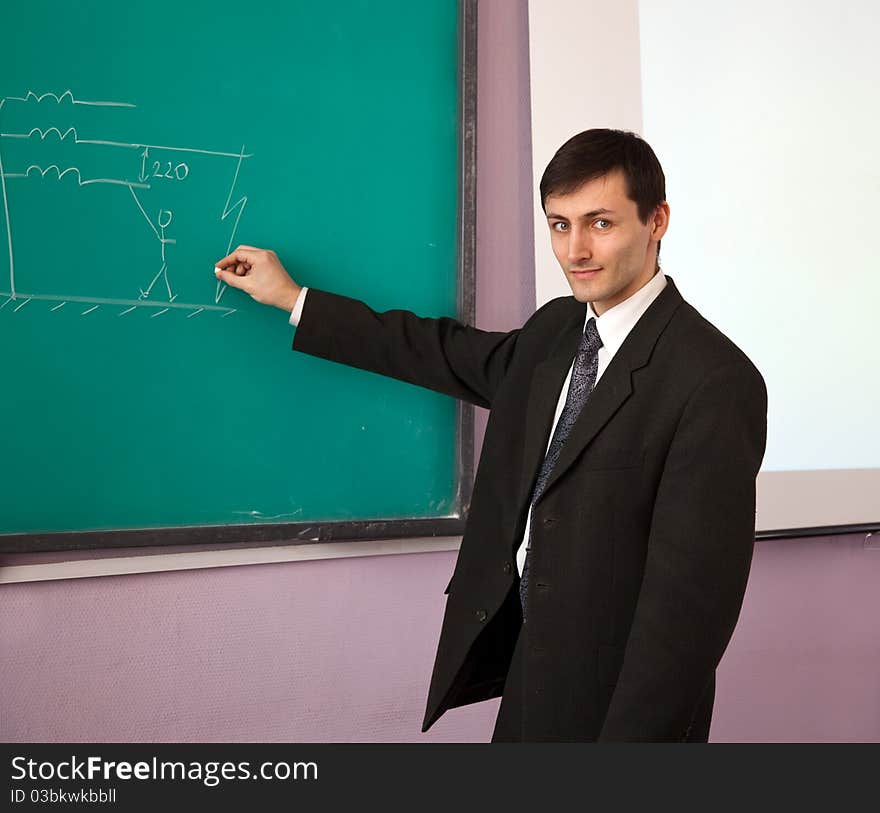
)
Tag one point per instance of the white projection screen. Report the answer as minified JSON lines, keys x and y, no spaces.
{"x":765,"y":118}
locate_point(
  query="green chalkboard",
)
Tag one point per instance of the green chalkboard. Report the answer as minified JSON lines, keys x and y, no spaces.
{"x":139,"y":143}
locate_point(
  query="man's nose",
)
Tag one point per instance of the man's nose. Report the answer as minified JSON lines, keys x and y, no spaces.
{"x":579,"y":245}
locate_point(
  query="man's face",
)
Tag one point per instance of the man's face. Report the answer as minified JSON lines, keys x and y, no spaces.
{"x":606,"y":252}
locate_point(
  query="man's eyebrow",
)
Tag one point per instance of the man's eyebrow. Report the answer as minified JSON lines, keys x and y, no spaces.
{"x":593,"y":213}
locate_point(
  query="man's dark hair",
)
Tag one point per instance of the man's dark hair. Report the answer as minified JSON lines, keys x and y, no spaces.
{"x":594,"y":153}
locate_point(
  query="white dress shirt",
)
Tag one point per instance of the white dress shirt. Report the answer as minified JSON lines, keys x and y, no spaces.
{"x":614,"y":326}
{"x":296,"y":313}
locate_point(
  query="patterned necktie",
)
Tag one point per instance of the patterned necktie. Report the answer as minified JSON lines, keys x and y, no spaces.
{"x":583,"y":377}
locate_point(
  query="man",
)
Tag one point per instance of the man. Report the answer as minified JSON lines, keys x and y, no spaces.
{"x":611,"y":527}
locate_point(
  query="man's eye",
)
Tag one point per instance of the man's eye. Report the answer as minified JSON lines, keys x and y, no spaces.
{"x":559,"y":226}
{"x":604,"y":221}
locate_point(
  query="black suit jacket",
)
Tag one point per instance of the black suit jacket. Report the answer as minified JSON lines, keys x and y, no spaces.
{"x":642,"y":539}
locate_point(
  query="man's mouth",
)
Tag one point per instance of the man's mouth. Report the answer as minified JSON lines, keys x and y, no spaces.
{"x":586,"y":273}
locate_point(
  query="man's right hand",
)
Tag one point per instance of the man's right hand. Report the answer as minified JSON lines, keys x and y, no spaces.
{"x":258,"y":272}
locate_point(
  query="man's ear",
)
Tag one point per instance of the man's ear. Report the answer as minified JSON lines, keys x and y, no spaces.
{"x":660,"y":220}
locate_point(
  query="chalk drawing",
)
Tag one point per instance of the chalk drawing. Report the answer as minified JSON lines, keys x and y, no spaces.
{"x":152,"y":170}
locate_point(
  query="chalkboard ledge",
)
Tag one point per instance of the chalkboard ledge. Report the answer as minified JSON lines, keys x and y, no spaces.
{"x":50,"y":566}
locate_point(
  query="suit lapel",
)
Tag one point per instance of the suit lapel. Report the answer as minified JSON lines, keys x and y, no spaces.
{"x":612,"y":389}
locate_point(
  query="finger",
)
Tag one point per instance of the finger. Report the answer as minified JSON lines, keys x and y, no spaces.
{"x":229,"y":278}
{"x":238,"y":256}
{"x":241,"y":269}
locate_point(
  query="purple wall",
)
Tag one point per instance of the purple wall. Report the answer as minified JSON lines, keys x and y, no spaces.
{"x":341,"y":650}
{"x":804,"y":661}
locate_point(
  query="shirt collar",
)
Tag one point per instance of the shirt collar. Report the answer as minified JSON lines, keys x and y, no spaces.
{"x":615,"y":324}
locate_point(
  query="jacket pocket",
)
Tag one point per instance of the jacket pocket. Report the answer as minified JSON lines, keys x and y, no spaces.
{"x":610,"y":459}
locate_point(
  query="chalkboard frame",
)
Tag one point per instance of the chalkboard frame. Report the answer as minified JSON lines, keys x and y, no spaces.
{"x":303,"y":533}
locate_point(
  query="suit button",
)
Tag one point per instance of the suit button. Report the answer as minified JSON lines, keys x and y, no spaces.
{"x":549,"y":521}
{"x":481,"y":615}
{"x":506,"y":567}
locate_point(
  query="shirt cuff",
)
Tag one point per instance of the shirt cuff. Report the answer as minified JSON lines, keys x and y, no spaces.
{"x":296,"y":313}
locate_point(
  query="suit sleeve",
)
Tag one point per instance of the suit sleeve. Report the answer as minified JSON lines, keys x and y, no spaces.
{"x":440,"y":354}
{"x":698,"y":559}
